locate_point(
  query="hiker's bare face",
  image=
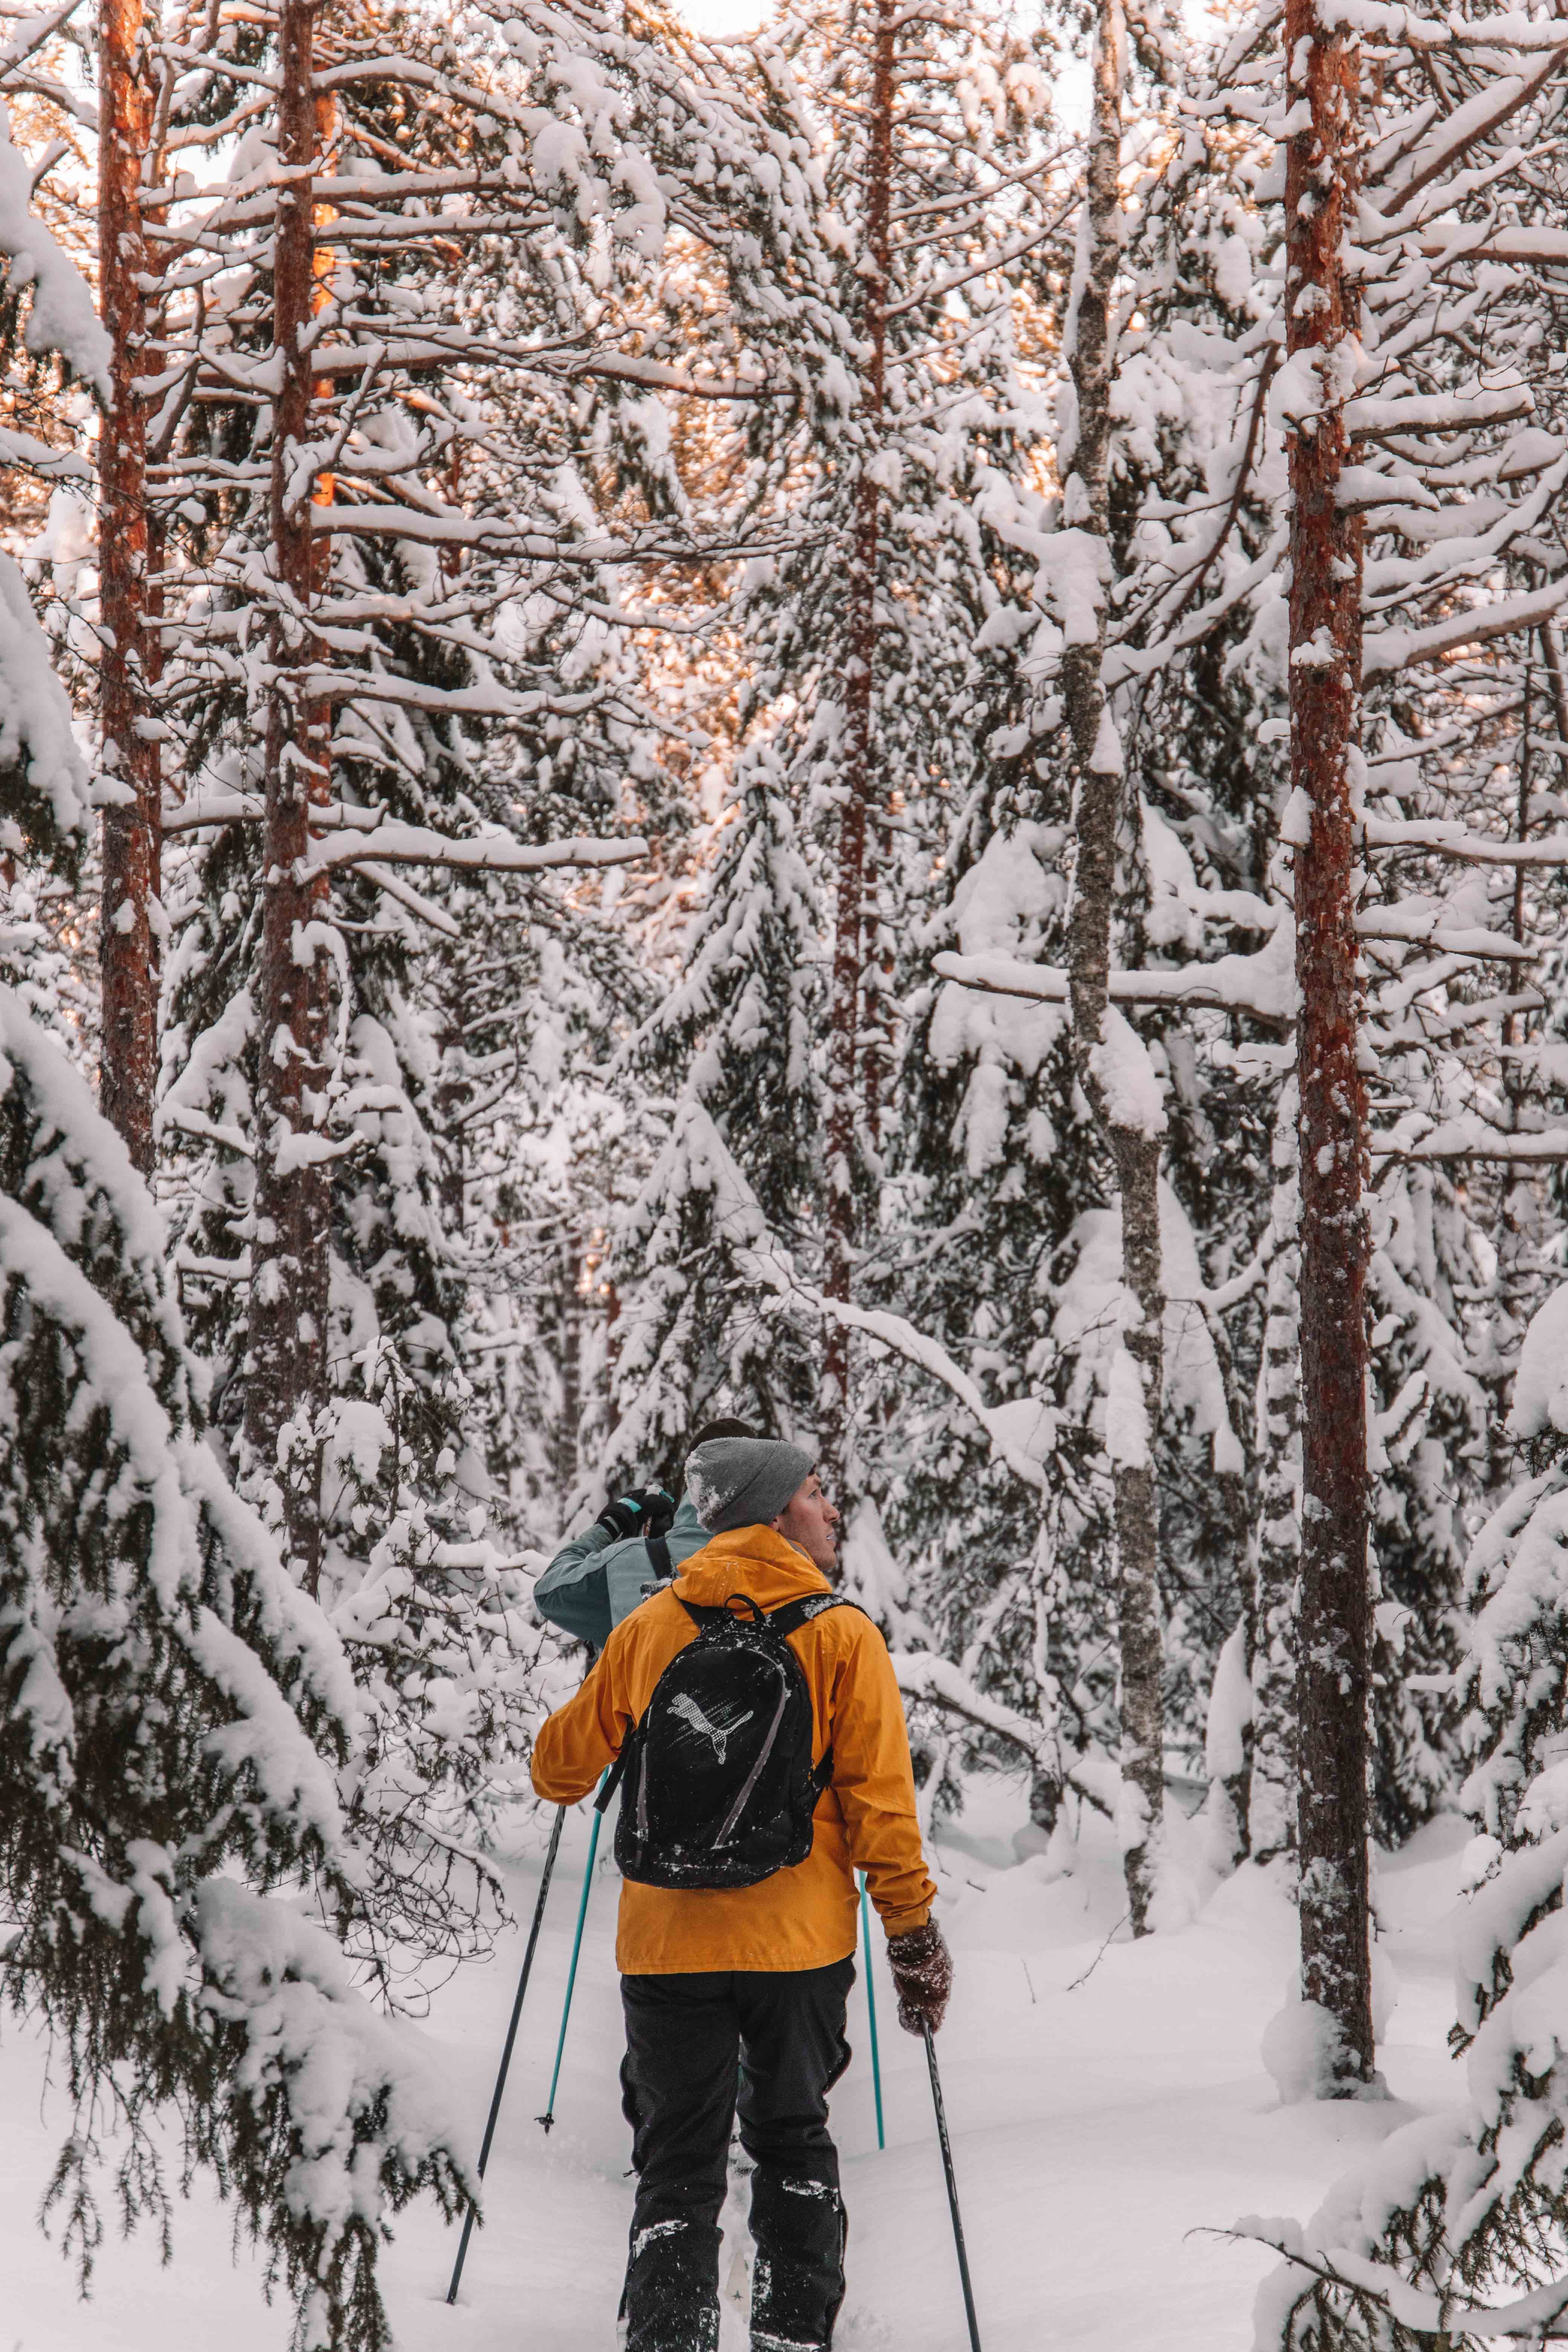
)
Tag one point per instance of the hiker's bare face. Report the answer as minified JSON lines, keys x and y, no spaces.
{"x":810,"y":1521}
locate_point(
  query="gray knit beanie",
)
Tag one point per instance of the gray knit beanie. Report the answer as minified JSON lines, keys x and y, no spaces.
{"x":743,"y":1482}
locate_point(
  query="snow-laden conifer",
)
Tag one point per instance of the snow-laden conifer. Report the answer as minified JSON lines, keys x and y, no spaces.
{"x":172,"y":1832}
{"x":481,"y":470}
{"x":731,"y":1054}
{"x":881,"y":672}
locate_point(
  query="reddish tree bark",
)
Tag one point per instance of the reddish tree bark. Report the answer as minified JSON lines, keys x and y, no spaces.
{"x":1275,"y":1778}
{"x":131,"y":830}
{"x":1321,"y":310}
{"x":290,"y":1252}
{"x":849,"y":1065}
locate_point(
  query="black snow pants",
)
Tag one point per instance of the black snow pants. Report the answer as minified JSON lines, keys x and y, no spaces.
{"x":684,"y":2036}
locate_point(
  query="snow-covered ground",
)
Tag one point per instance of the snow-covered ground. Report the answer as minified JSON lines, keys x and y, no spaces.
{"x":1109,"y":2109}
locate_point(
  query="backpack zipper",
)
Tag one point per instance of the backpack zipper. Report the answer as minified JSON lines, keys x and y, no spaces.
{"x":739,"y":1806}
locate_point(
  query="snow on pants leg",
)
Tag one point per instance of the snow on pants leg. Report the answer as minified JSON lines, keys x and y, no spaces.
{"x":793,"y":2050}
{"x":684,"y":2037}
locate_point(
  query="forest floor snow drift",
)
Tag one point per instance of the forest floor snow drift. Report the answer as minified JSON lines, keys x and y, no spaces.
{"x":1108,"y":2105}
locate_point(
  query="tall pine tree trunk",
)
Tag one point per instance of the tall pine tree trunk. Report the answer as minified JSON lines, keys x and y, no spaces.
{"x":290,"y":1252}
{"x":1133,"y":1138}
{"x":1322,"y":310}
{"x":1272,"y":1791}
{"x":132,"y":828}
{"x":1141,"y":1656}
{"x":854,"y":929}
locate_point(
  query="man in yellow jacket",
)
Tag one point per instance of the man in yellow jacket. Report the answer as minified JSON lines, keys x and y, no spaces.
{"x":758,"y":1974}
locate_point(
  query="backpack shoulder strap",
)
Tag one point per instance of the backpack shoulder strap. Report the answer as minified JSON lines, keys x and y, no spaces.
{"x":793,"y":1614}
{"x":660,"y":1561}
{"x":789,"y":1620}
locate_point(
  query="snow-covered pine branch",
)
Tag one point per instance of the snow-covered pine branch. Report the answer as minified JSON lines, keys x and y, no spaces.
{"x":1263,"y":984}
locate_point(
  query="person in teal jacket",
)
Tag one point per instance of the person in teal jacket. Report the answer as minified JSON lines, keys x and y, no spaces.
{"x":636,"y":1543}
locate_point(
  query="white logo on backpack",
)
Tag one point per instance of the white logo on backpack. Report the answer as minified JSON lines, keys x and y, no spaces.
{"x":686,"y":1706}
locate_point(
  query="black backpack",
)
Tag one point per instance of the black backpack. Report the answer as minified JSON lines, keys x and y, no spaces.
{"x":717,"y":1783}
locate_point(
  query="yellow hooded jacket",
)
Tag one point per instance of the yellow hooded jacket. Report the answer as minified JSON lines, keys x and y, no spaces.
{"x":865,"y":1819}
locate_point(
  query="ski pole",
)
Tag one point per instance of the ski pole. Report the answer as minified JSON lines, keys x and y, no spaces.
{"x":548,"y":2117}
{"x":872,"y":2009}
{"x":952,"y":2188}
{"x":494,"y":2117}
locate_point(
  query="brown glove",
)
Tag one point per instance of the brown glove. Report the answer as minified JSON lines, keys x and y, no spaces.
{"x":922,"y":1976}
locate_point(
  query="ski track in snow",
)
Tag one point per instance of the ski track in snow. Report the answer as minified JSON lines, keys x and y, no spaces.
{"x":1095,"y":2130}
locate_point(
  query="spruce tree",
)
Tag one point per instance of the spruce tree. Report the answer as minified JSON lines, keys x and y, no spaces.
{"x":173,"y":1708}
{"x":737,"y":1171}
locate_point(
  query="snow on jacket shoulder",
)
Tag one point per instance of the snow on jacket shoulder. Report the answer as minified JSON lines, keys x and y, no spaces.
{"x":597,"y":1579}
{"x":865,"y":1819}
